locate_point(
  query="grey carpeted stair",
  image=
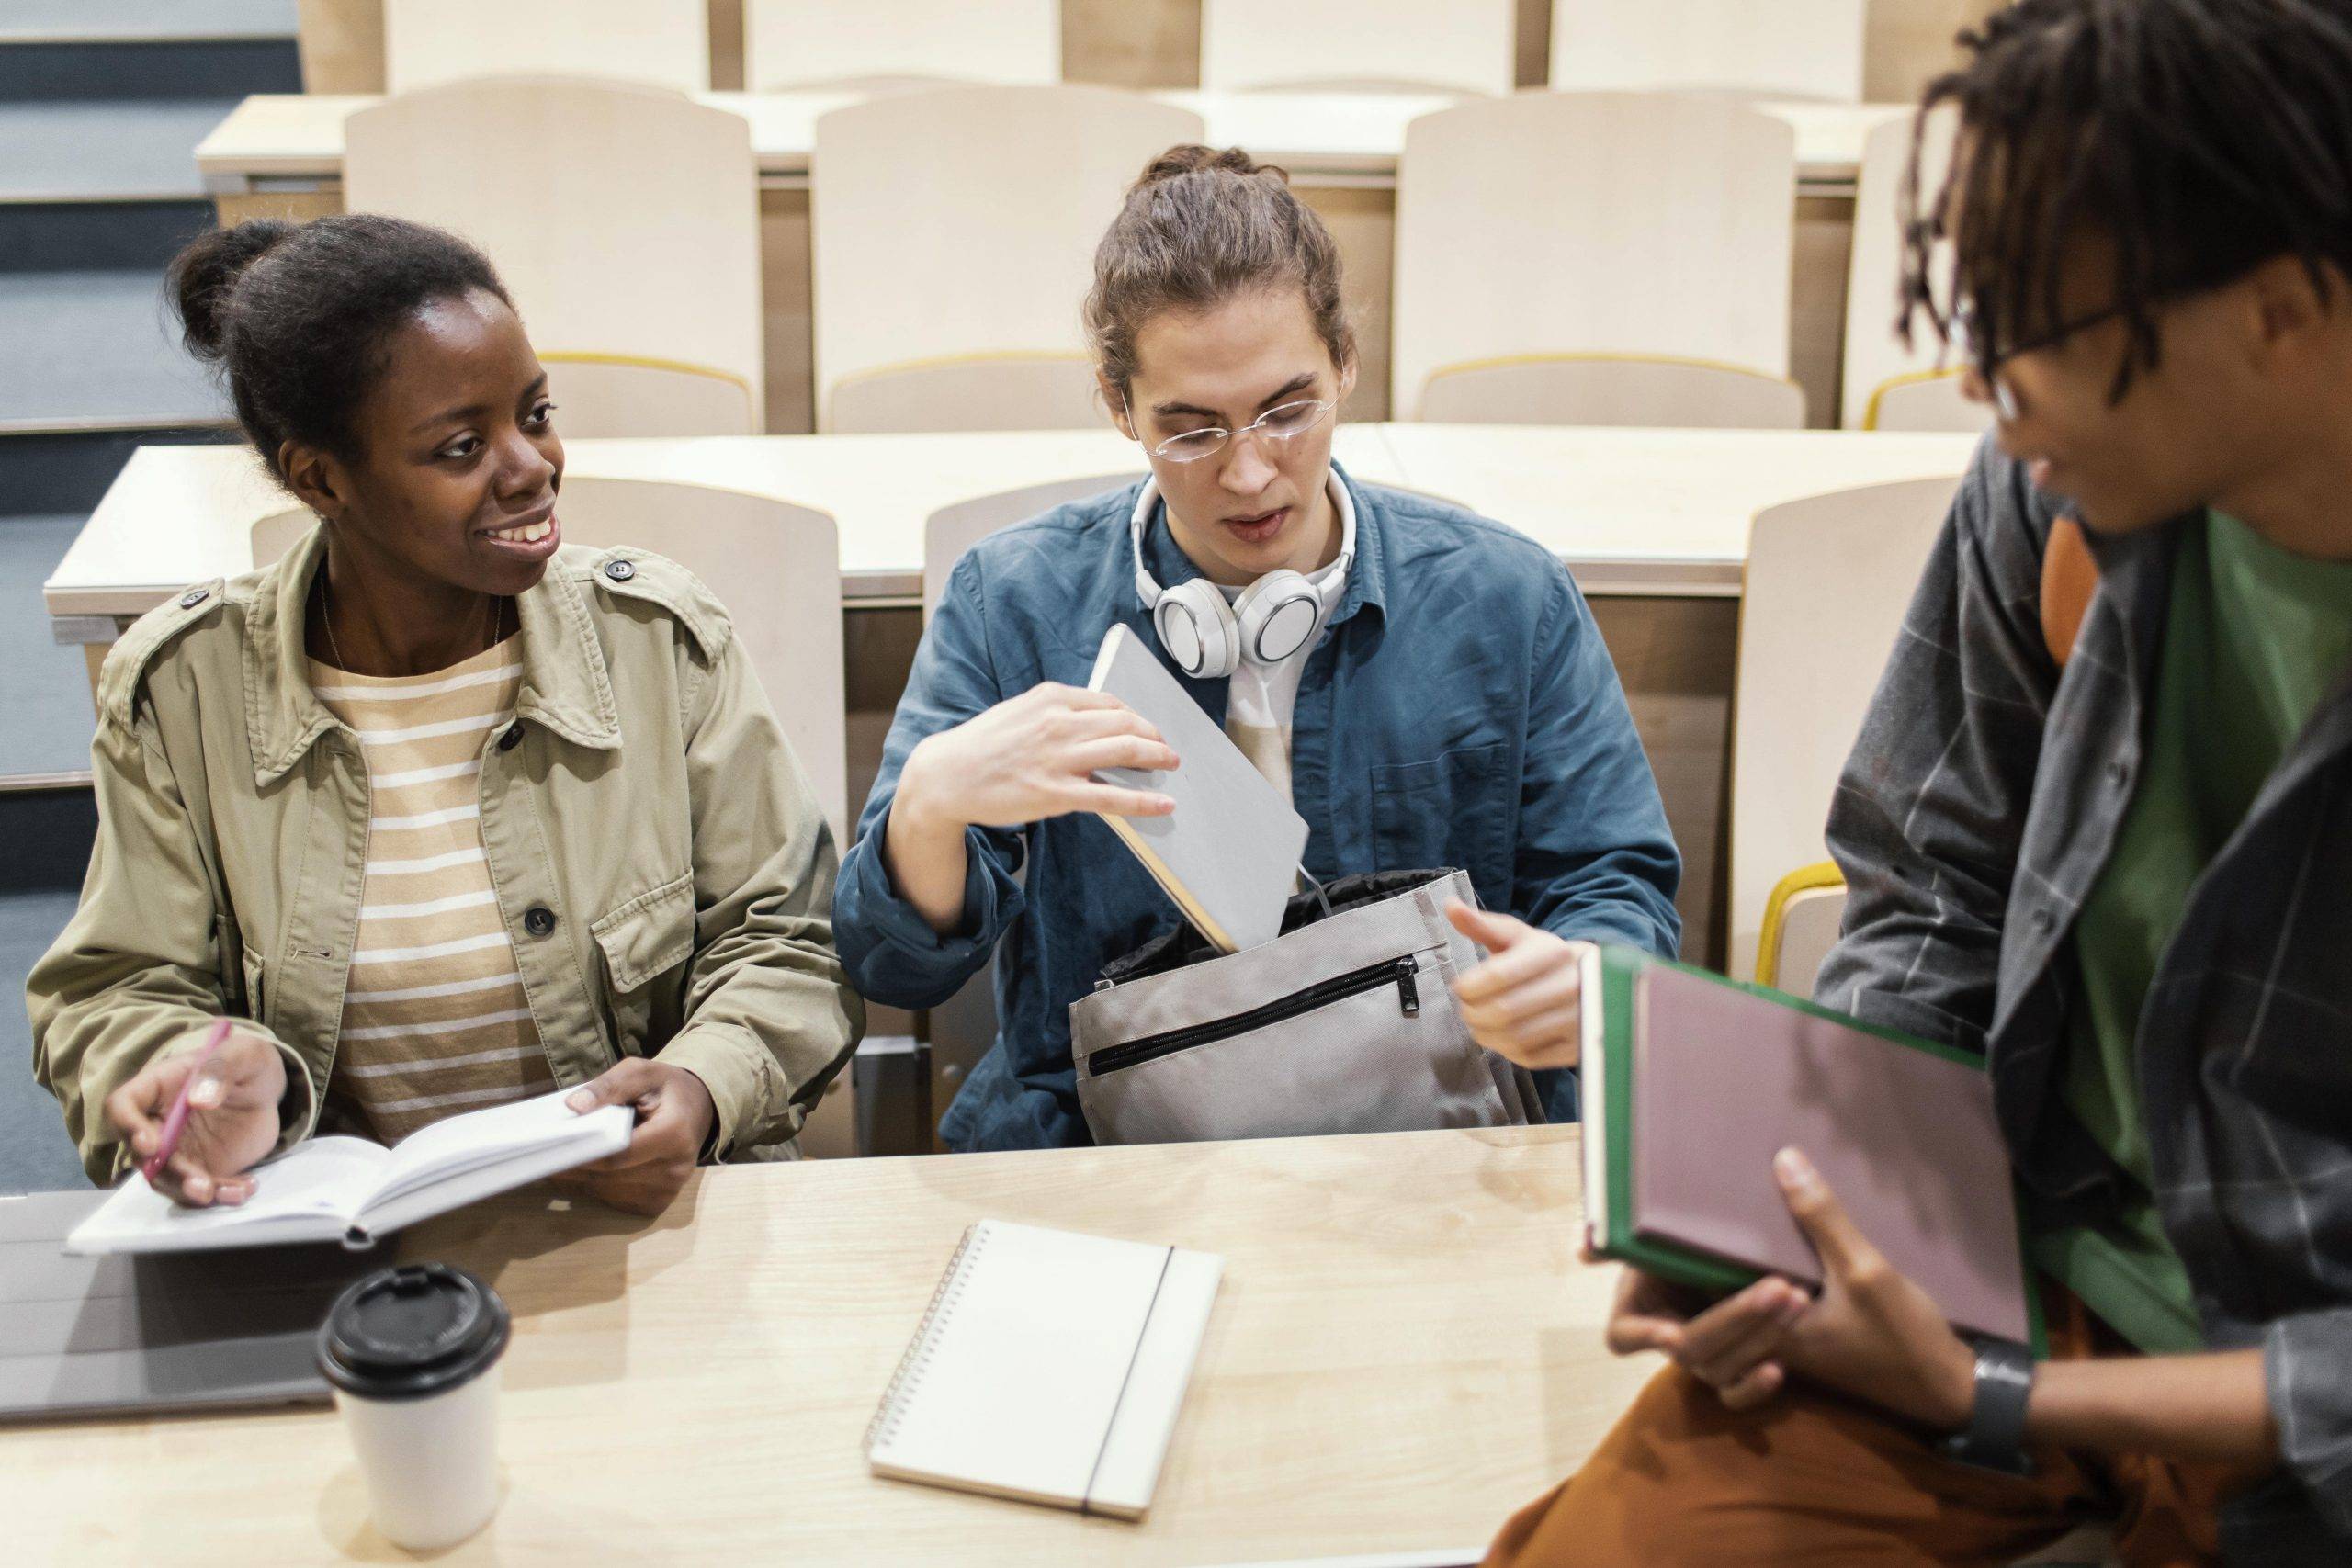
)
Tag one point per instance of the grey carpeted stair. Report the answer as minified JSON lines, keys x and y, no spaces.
{"x":102,"y":103}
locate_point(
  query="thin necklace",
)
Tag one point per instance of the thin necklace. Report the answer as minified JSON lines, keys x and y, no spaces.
{"x":326,"y":619}
{"x":490,"y":606}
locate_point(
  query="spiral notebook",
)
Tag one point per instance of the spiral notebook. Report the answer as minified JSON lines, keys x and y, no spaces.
{"x":1050,"y":1369}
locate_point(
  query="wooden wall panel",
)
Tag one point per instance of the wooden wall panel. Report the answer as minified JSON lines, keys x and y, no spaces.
{"x":1363,"y":225}
{"x":725,"y":46}
{"x":786,"y":302}
{"x":1908,"y":42}
{"x":341,"y":44}
{"x":1532,"y":51}
{"x":1132,"y":43}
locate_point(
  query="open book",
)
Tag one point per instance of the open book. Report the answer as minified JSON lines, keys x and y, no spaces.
{"x":1229,"y":854}
{"x":1692,"y":1083}
{"x":1049,"y":1368}
{"x":351,"y":1190}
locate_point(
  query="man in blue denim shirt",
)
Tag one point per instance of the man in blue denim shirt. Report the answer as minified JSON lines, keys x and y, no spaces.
{"x":1462,"y":712}
{"x":1456,"y":707}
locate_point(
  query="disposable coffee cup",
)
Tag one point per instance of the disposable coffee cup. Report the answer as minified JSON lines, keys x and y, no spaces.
{"x":413,"y":1354}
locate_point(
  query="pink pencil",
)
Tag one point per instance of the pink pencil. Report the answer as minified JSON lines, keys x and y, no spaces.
{"x":176,"y":1120}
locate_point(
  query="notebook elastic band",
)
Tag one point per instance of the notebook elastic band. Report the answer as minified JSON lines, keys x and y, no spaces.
{"x":1086,"y":1500}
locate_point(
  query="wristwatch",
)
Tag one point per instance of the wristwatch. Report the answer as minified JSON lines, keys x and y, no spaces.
{"x":1995,"y":1436}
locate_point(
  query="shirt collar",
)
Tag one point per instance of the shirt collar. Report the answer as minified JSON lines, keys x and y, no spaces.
{"x":566,"y":685}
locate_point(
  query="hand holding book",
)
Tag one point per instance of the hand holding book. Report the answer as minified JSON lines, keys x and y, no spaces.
{"x":1872,"y":1333}
{"x":1797,"y":1193}
{"x":675,"y":1117}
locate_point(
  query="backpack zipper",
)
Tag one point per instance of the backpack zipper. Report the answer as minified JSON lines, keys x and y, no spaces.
{"x":1401,"y":973}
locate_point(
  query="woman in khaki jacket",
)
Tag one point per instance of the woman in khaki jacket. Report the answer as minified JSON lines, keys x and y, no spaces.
{"x":443,"y":813}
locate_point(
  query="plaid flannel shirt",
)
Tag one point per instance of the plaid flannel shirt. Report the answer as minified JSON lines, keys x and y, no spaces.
{"x":1980,"y":801}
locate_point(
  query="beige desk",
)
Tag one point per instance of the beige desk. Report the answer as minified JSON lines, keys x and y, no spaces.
{"x":1653,"y":523}
{"x":1324,"y":139}
{"x":1405,"y":1349}
{"x":1652,"y":511}
{"x":1662,"y":512}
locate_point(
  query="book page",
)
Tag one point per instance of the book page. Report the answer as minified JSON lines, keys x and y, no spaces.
{"x":312,"y":1190}
{"x":479,"y":1139}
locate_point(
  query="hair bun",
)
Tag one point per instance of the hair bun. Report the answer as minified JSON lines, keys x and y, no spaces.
{"x":204,"y":274}
{"x":1190,"y":157}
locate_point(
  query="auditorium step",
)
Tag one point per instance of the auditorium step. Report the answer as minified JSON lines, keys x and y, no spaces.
{"x":146,"y":49}
{"x":102,"y":104}
{"x":35,"y":1154}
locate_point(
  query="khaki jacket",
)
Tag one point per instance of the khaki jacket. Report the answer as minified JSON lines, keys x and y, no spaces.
{"x":660,"y":858}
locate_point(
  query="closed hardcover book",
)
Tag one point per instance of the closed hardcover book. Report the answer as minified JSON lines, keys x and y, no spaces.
{"x":1694,"y":1082}
{"x":1229,"y":854}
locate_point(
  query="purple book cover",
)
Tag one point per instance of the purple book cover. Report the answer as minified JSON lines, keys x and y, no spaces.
{"x":1723,"y":1079}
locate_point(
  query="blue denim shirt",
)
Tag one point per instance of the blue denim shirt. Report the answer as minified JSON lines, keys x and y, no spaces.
{"x":1460,"y":710}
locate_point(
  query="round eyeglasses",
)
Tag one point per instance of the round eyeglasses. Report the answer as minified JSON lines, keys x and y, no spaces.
{"x":1285,"y":422}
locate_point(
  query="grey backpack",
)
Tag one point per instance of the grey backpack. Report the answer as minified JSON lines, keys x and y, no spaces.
{"x":1344,"y":1023}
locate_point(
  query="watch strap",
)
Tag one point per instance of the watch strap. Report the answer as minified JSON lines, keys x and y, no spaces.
{"x":1995,"y":1436}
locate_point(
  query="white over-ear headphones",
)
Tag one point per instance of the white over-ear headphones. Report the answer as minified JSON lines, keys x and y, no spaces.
{"x":1276,"y":616}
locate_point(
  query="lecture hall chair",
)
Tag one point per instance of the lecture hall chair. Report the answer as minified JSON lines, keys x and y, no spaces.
{"x":807,"y":44}
{"x":1596,"y":258}
{"x":961,"y":1029}
{"x":953,"y":235}
{"x":776,"y":566}
{"x":665,"y":43}
{"x":1828,"y":581}
{"x":1887,"y":384}
{"x":624,"y":218}
{"x":1787,"y":48}
{"x":1452,"y":46}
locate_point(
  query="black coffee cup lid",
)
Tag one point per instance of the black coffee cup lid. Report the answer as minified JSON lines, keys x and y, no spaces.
{"x":412,"y":1331}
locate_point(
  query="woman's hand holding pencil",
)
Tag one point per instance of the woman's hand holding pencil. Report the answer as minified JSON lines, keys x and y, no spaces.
{"x":202,"y":1113}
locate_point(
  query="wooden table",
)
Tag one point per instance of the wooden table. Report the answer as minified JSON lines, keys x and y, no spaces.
{"x":1406,"y":1348}
{"x":1663,"y":512}
{"x":1654,"y":522}
{"x":1324,"y":139}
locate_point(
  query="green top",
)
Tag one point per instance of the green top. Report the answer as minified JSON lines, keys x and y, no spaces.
{"x":2255,"y":638}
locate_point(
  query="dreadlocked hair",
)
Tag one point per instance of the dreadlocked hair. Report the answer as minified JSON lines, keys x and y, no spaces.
{"x":2199,"y":138}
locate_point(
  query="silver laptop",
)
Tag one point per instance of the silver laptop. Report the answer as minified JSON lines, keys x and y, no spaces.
{"x":125,"y":1335}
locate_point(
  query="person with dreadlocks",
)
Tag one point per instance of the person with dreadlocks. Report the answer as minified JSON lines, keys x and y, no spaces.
{"x":2113,"y":856}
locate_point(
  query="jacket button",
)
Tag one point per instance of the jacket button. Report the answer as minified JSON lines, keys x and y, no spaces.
{"x":512,"y":739}
{"x":539,"y":920}
{"x":619,"y":571}
{"x":2118,"y":774}
{"x":2043,"y":919}
{"x":194,"y":596}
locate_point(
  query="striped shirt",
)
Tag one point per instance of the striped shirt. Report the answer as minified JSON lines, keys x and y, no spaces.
{"x":435,"y":1018}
